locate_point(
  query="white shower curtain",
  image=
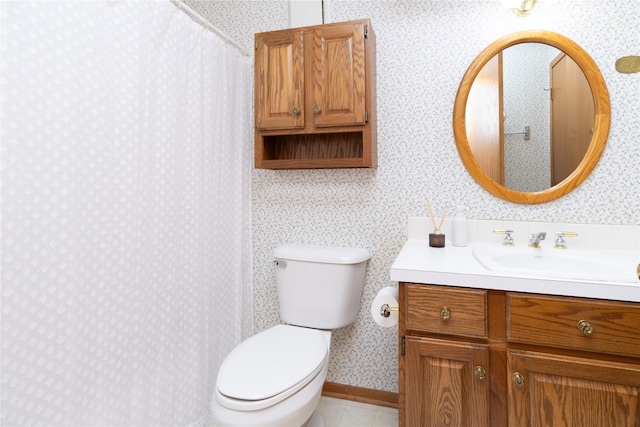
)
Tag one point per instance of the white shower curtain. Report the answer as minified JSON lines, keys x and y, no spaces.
{"x":125,"y":213}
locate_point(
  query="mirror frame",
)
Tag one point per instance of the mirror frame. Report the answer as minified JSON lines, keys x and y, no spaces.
{"x":600,"y":129}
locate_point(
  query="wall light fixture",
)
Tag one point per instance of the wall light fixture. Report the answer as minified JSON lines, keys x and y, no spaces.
{"x":519,"y":7}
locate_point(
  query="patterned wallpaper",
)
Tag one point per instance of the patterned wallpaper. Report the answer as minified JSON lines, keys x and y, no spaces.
{"x":423,"y":50}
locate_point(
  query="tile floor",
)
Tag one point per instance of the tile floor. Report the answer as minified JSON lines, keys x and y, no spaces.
{"x":346,"y":413}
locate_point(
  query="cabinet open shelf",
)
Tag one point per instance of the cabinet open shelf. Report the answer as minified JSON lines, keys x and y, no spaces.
{"x":307,"y":151}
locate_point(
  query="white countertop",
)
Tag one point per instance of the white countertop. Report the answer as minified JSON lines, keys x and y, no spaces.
{"x":456,"y":266}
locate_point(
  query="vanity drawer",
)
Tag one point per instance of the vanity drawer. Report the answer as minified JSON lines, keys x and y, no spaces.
{"x":575,"y":323}
{"x":446,"y":310}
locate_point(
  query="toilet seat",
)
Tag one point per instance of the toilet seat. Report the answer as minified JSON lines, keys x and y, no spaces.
{"x":270,"y":366}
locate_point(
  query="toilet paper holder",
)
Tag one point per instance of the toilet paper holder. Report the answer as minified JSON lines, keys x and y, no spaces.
{"x":386,"y":310}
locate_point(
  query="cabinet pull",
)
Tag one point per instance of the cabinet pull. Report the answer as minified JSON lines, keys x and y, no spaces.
{"x":296,"y":111}
{"x":317,"y":109}
{"x":585,"y":327}
{"x":518,"y":379}
{"x":480,"y":372}
{"x":445,"y":313}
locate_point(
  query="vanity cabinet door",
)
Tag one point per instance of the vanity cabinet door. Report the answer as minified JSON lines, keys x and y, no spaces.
{"x":446,"y":383}
{"x":547,"y":390}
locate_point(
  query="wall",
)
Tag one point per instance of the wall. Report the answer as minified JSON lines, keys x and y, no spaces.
{"x":423,"y":50}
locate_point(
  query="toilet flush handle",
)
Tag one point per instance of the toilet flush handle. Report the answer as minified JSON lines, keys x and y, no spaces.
{"x":280,"y":263}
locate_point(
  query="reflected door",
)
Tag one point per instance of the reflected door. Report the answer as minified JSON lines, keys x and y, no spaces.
{"x":572,"y":117}
{"x":483,"y":120}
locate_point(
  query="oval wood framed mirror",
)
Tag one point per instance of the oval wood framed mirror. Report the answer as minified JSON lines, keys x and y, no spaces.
{"x":600,"y":129}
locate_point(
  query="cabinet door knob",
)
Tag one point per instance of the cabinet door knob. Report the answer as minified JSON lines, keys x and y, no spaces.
{"x":479,"y":372}
{"x":317,"y":109}
{"x":518,"y":379}
{"x":445,"y":313}
{"x":296,"y":111}
{"x":585,"y":327}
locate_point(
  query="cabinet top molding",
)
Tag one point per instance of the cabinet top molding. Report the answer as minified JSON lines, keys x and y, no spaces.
{"x":365,"y":21}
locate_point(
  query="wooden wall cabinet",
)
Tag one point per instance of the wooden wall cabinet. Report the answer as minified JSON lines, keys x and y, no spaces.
{"x":315,"y":97}
{"x":473,"y":357}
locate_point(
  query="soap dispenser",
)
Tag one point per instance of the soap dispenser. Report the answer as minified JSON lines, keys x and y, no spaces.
{"x":459,"y":228}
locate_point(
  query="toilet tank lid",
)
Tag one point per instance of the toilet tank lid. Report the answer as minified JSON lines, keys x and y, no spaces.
{"x":322,"y":254}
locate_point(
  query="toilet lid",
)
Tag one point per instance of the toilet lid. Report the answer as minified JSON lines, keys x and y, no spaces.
{"x":272,"y":362}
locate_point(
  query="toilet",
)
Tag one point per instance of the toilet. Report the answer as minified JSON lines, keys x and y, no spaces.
{"x":275,"y":378}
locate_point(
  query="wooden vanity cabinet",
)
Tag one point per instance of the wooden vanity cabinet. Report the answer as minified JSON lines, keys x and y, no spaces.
{"x":473,"y":357}
{"x":314,"y":97}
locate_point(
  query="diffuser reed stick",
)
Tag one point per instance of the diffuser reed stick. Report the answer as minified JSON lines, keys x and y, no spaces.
{"x":436,"y":229}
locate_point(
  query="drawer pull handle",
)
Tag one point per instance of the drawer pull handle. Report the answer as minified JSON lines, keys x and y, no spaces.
{"x":480,"y":372}
{"x":445,"y":313}
{"x":317,"y":109}
{"x":296,"y":111}
{"x":518,"y":379}
{"x":585,"y":327}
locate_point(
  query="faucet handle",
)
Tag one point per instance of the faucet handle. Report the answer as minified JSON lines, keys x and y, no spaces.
{"x":560,"y":235}
{"x":508,"y":240}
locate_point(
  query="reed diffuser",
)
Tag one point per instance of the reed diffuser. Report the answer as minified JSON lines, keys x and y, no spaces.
{"x":436,"y":239}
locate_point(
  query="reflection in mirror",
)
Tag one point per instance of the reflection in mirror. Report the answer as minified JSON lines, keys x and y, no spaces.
{"x":531,"y":117}
{"x":526,"y":103}
{"x":547,"y":114}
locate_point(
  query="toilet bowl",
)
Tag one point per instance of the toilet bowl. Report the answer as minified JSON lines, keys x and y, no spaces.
{"x":275,"y":378}
{"x":272,"y":379}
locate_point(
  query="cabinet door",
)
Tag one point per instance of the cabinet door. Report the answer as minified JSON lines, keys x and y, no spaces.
{"x":339,"y":75}
{"x":279,"y":80}
{"x":551,"y":390}
{"x":446,"y":383}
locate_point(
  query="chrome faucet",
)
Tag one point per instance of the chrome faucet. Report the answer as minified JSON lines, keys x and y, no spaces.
{"x":560,"y":235}
{"x":508,"y":240}
{"x":535,"y":239}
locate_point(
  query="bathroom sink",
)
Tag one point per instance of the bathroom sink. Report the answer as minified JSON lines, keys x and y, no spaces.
{"x":549,"y":262}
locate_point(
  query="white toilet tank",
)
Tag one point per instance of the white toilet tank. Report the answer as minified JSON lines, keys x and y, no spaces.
{"x":320,"y":287}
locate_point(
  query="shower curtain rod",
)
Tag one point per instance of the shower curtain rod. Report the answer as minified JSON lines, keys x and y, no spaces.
{"x":208,"y":25}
